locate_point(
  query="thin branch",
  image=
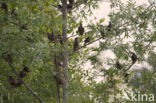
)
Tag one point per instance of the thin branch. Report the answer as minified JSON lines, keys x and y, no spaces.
{"x":86,"y":45}
{"x":26,"y":85}
{"x":78,"y":4}
{"x":72,"y":36}
{"x":90,"y":43}
{"x":129,"y":67}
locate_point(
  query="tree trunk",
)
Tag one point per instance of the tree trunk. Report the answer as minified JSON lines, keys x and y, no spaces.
{"x":65,"y":51}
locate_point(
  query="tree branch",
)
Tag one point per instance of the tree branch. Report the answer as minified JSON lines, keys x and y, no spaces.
{"x":90,"y":43}
{"x":26,"y":85}
{"x":129,"y":67}
{"x":86,"y":45}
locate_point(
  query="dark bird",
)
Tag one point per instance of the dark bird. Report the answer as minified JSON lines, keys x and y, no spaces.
{"x":23,"y":27}
{"x":14,"y":82}
{"x":87,"y":40}
{"x":69,"y":7}
{"x":71,"y":1}
{"x":18,"y":83}
{"x":11,"y":80}
{"x":109,"y":26}
{"x":4,"y":6}
{"x":59,"y":79}
{"x":126,"y":75}
{"x":59,"y":7}
{"x":22,"y":74}
{"x":118,"y":65}
{"x":76,"y":44}
{"x":51,"y":37}
{"x":133,"y":57}
{"x":26,"y":69}
{"x":81,"y":29}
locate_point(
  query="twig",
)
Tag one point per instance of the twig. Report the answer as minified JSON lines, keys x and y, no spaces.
{"x":72,"y":36}
{"x":26,"y":85}
{"x":85,"y":45}
{"x":129,"y":67}
{"x":90,"y":43}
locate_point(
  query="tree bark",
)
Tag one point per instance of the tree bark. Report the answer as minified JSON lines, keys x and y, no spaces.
{"x":65,"y":51}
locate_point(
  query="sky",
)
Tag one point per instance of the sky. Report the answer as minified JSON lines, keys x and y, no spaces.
{"x":104,"y":9}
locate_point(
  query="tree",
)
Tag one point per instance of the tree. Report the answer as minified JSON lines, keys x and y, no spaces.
{"x":46,"y":31}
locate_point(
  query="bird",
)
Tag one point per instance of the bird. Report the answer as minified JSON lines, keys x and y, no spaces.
{"x":76,"y":44}
{"x":133,"y":57}
{"x":71,"y":1}
{"x":26,"y":69}
{"x":11,"y":80}
{"x":87,"y":40}
{"x":59,"y":7}
{"x":85,"y":1}
{"x":4,"y":6}
{"x":22,"y":74}
{"x":81,"y":29}
{"x":59,"y":78}
{"x":109,"y":26}
{"x":14,"y":82}
{"x":118,"y":65}
{"x":51,"y":37}
{"x":126,"y":75}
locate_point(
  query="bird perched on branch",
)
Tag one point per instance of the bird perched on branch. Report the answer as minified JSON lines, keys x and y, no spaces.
{"x":71,"y":1}
{"x":59,"y":7}
{"x":126,"y":76}
{"x":14,"y":82}
{"x":81,"y":29}
{"x":87,"y":40}
{"x":51,"y":37}
{"x":4,"y":6}
{"x":134,"y":57}
{"x":76,"y":44}
{"x":118,"y":65}
{"x":59,"y":78}
{"x":109,"y":27}
{"x":70,"y":5}
{"x":24,"y":72}
{"x":26,"y":69}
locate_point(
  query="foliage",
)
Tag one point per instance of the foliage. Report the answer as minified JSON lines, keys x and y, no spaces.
{"x":23,"y":35}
